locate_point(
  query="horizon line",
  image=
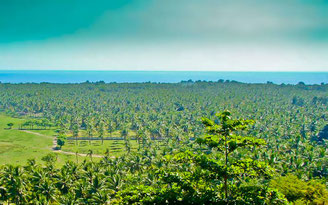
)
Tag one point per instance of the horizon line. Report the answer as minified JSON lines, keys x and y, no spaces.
{"x":101,"y":70}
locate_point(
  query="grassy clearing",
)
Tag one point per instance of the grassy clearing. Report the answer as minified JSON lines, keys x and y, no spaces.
{"x":16,"y":146}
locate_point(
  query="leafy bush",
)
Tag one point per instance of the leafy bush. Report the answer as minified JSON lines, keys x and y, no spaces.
{"x":300,"y":192}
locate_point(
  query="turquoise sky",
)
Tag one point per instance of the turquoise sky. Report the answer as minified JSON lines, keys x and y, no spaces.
{"x":280,"y":35}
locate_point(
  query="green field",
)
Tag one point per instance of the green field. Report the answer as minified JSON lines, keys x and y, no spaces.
{"x":16,"y":146}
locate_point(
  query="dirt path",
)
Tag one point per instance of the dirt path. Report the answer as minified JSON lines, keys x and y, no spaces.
{"x":54,"y":145}
{"x":35,"y":133}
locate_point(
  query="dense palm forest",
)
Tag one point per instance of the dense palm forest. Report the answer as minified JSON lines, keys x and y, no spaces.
{"x":225,"y":143}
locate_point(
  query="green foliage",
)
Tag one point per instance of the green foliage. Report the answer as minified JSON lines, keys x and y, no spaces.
{"x":61,"y":141}
{"x":298,"y":101}
{"x":49,"y":158}
{"x":221,"y":136}
{"x":300,"y":192}
{"x":322,"y":136}
{"x":193,"y":177}
{"x":228,"y":160}
{"x":255,"y":192}
{"x":77,"y":110}
{"x":10,"y":125}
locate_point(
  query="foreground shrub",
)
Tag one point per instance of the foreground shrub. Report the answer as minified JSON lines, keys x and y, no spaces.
{"x":300,"y":192}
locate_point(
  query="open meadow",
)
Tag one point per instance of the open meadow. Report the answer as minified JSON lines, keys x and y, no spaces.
{"x":18,"y":146}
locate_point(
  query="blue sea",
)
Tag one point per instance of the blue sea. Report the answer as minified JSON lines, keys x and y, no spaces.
{"x":20,"y":76}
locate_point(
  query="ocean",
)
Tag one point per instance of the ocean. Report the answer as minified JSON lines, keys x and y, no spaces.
{"x":37,"y":76}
